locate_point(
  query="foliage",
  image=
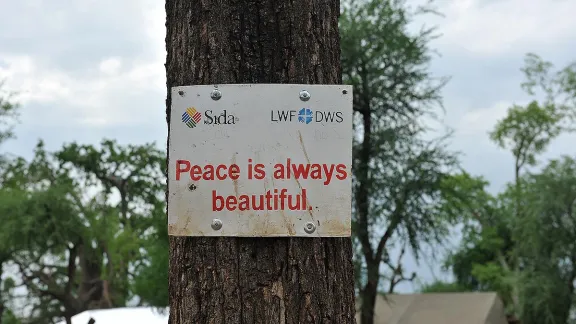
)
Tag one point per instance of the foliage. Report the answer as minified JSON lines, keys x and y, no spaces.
{"x":151,"y":283}
{"x":527,"y":131}
{"x":8,"y":317}
{"x":524,"y":250}
{"x":442,"y":287}
{"x":478,"y":263}
{"x":558,"y":87}
{"x":8,"y":113}
{"x":548,"y":231}
{"x":75,"y":222}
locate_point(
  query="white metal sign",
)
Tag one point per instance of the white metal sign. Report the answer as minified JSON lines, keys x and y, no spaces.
{"x":260,"y":160}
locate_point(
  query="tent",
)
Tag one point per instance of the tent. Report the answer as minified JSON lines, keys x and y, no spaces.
{"x":125,"y":315}
{"x":440,"y":308}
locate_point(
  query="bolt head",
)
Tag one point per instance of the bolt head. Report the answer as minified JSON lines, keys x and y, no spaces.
{"x":309,"y":227}
{"x":304,"y":95}
{"x":216,"y":224}
{"x":216,"y":94}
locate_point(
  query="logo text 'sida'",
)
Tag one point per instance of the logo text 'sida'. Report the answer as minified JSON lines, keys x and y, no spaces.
{"x":224,"y":118}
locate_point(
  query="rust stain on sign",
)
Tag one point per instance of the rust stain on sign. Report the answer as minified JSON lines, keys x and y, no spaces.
{"x":289,"y":226}
{"x":235,"y":180}
{"x":307,"y":160}
{"x":303,"y":147}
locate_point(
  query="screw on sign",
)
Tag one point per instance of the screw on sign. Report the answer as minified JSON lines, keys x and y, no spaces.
{"x":309,"y":227}
{"x":304,"y":95}
{"x":216,"y":94}
{"x":216,"y":224}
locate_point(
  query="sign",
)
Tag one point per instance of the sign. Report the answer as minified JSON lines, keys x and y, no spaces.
{"x":260,"y":160}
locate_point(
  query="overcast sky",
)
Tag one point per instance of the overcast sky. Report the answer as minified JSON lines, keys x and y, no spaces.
{"x":88,"y":69}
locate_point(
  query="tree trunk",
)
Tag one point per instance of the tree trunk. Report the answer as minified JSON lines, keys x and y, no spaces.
{"x":256,"y":280}
{"x":371,"y":257}
{"x":369,"y":294}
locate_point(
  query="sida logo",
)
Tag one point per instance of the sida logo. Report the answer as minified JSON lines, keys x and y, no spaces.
{"x":191,"y":117}
{"x":306,"y":116}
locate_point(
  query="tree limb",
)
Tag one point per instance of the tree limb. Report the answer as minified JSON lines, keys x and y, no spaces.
{"x":71,"y":268}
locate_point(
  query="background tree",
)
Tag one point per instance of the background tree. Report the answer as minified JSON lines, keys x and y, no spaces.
{"x":150,"y":280}
{"x":527,"y":132}
{"x":503,"y":254}
{"x":75,"y":221}
{"x":480,"y":262}
{"x":548,"y":228}
{"x":8,"y":114}
{"x":398,"y":175}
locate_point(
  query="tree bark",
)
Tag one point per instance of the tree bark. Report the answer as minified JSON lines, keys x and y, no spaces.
{"x":256,"y":280}
{"x":369,"y":295}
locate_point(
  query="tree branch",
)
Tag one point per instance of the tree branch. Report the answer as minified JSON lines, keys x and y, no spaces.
{"x":28,"y":280}
{"x":395,"y":220}
{"x":71,"y":268}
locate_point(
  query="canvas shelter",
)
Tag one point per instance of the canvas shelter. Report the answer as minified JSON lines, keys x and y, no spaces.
{"x":123,"y":315}
{"x":439,"y":308}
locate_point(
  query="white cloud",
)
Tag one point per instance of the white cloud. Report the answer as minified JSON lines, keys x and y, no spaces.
{"x":481,"y":121}
{"x":110,"y":66}
{"x":109,"y":74}
{"x":496,"y":27}
{"x":104,"y":97}
{"x":22,"y":76}
{"x":155,"y":19}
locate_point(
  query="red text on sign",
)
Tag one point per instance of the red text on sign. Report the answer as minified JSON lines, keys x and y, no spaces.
{"x":208,"y":171}
{"x":314,"y":171}
{"x":273,"y":200}
{"x":256,"y":171}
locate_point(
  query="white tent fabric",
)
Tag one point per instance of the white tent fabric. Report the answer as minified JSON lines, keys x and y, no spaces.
{"x":126,"y":315}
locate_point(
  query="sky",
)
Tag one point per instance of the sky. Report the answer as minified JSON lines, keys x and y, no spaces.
{"x":86,"y":70}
